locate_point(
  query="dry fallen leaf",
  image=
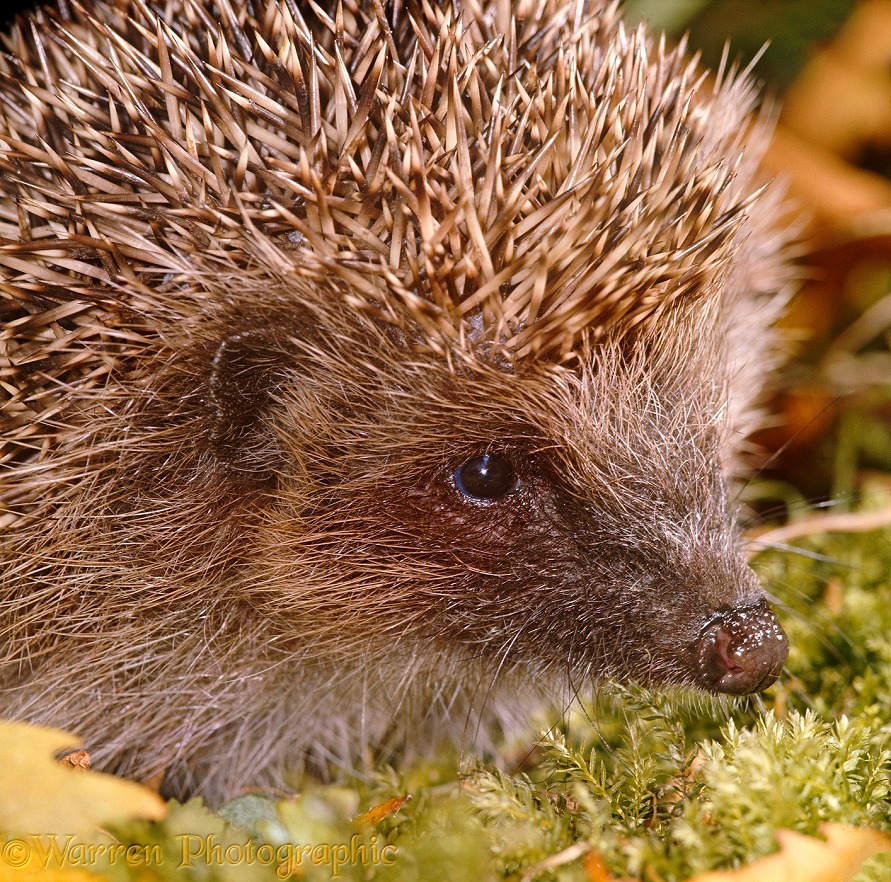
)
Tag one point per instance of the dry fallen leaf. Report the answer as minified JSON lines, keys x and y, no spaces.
{"x":595,"y":869}
{"x":77,"y":759}
{"x":841,"y":199}
{"x":379,"y":812}
{"x":40,"y":796}
{"x":806,"y":859}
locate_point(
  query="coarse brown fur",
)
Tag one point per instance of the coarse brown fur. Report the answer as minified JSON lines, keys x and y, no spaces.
{"x":271,"y":273}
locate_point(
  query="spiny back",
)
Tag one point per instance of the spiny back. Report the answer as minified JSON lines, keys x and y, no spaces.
{"x":532,"y":176}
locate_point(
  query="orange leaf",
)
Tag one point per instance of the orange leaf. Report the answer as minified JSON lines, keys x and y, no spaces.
{"x":378,"y":813}
{"x":806,"y":859}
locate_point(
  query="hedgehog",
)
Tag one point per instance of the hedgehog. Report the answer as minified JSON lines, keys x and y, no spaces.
{"x":373,"y":373}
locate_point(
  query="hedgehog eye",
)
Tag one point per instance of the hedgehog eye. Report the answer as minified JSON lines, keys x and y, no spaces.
{"x":486,"y":477}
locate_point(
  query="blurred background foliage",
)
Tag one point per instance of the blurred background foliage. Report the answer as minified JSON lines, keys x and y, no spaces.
{"x":789,"y":28}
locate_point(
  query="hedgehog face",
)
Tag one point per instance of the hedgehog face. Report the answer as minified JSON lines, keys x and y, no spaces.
{"x":570,"y":521}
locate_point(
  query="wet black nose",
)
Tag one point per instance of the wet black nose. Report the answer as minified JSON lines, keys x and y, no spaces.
{"x":741,"y":650}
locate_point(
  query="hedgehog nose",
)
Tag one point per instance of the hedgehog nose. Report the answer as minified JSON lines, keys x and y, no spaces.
{"x":741,"y":650}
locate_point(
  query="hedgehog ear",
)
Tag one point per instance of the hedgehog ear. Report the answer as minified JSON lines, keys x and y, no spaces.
{"x":244,"y":373}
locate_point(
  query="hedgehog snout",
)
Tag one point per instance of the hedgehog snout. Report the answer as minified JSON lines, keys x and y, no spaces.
{"x":741,"y":650}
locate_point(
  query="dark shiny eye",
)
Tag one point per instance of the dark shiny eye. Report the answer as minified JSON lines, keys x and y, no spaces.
{"x":486,"y":477}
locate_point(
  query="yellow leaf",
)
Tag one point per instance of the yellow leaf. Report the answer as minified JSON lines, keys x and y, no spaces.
{"x":40,"y":797}
{"x":806,"y":859}
{"x":37,"y":873}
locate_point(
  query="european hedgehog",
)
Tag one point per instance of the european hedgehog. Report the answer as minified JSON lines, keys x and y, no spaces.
{"x":370,"y":370}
